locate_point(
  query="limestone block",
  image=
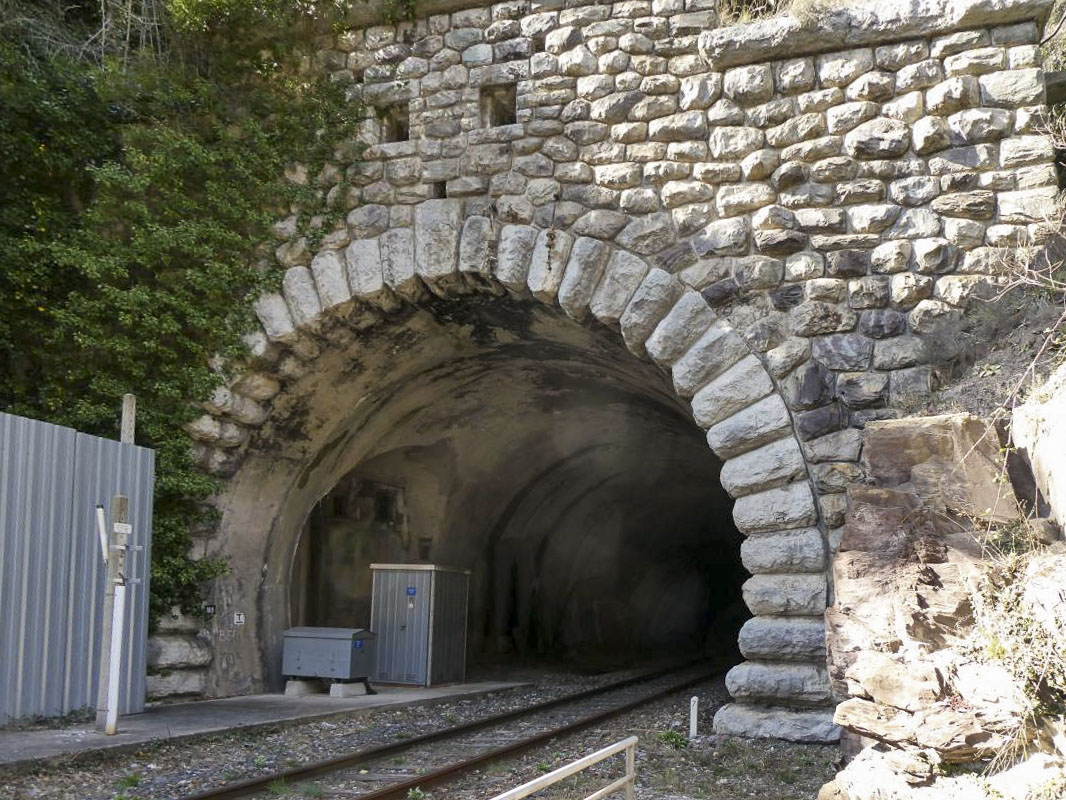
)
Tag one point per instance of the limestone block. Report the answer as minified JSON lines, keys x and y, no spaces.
{"x":438,"y":225}
{"x":679,"y":329}
{"x":513,"y":255}
{"x":978,"y":125}
{"x":548,"y":263}
{"x":919,"y":76}
{"x":475,"y":246}
{"x":363,"y":258}
{"x":799,"y":551}
{"x":786,"y":595}
{"x":177,"y":651}
{"x":979,"y":61}
{"x":931,"y":134}
{"x":723,"y":237}
{"x":655,"y":296}
{"x":783,"y":639}
{"x":679,"y":193}
{"x":681,"y":127}
{"x":398,"y":263}
{"x":757,"y":424}
{"x":588,"y":257}
{"x":780,"y":508}
{"x":1029,"y":205}
{"x":784,"y":358}
{"x":736,"y":388}
{"x":176,"y":683}
{"x":795,"y":684}
{"x":648,"y":234}
{"x":331,"y":279}
{"x":622,"y":275}
{"x":699,"y":91}
{"x":843,"y":118}
{"x":878,"y":138}
{"x":257,"y":386}
{"x":368,"y":221}
{"x":762,"y":722}
{"x":734,"y":199}
{"x":298,"y":286}
{"x":749,"y":85}
{"x":914,"y":191}
{"x":729,"y":142}
{"x":953,"y":95}
{"x":1021,"y":150}
{"x":715,"y":351}
{"x":764,"y":467}
{"x":273,"y":314}
{"x":907,"y":108}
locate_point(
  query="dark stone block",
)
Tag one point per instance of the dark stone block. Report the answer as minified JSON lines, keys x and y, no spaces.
{"x":675,"y":258}
{"x":780,"y":243}
{"x":847,"y":263}
{"x":881,"y":323}
{"x":721,"y":292}
{"x":787,"y":296}
{"x":809,"y":386}
{"x":819,"y":422}
{"x":846,"y":351}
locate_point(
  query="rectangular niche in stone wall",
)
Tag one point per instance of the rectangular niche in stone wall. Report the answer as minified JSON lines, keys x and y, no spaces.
{"x":395,"y":123}
{"x":499,"y":105}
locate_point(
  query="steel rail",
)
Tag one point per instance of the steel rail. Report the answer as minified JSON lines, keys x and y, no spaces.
{"x":252,"y":785}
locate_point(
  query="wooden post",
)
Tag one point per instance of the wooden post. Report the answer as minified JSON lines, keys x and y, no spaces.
{"x":129,"y":418}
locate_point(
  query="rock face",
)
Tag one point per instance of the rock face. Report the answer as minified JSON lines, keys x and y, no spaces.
{"x":897,"y":630}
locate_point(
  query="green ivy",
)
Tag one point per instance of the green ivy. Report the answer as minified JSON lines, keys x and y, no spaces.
{"x":133,"y":204}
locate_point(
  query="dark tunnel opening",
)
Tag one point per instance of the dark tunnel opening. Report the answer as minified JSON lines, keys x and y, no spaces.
{"x":584,"y":501}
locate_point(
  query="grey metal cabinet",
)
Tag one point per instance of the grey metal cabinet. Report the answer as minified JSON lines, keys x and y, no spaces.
{"x":344,"y":654}
{"x":419,"y":613}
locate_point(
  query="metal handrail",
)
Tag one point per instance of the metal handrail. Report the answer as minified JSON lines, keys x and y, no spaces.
{"x":627,"y":781}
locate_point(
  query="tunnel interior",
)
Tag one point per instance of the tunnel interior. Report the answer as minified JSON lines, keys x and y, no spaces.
{"x":562,"y":471}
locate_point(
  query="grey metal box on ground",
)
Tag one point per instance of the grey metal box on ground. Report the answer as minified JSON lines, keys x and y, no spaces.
{"x":419,"y":613}
{"x":343,"y":654}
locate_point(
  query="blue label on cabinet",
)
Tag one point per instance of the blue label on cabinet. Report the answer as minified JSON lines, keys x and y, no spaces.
{"x":411,"y":591}
{"x":358,"y":643}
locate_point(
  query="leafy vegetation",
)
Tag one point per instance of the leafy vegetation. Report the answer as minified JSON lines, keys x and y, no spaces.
{"x":140,"y":178}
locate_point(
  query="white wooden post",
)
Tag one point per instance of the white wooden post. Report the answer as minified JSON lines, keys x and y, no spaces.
{"x":693,"y":710}
{"x":114,"y":622}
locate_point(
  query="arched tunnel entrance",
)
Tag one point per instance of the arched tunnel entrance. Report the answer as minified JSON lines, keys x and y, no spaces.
{"x":541,"y":455}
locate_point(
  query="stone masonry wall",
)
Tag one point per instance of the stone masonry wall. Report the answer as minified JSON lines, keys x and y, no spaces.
{"x":796,"y":241}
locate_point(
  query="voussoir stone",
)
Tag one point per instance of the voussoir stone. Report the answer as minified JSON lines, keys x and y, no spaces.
{"x":513,"y":255}
{"x":548,"y":263}
{"x":756,"y":425}
{"x":801,"y":595}
{"x":776,"y":722}
{"x":763,"y":468}
{"x":331,"y":278}
{"x":651,"y":301}
{"x":800,"y":684}
{"x":679,"y":329}
{"x":783,"y":638}
{"x":588,"y":257}
{"x":799,"y":551}
{"x":736,"y":388}
{"x":715,"y":351}
{"x":438,"y":224}
{"x":783,"y":507}
{"x":622,"y":275}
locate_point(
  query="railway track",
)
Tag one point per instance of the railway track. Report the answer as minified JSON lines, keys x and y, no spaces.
{"x":377,"y":773}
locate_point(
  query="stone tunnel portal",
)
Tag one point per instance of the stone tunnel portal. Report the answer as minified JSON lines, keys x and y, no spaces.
{"x":563,"y":473}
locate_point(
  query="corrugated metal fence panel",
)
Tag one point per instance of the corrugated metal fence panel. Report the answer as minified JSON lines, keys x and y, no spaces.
{"x":36,"y":471}
{"x":449,"y":626}
{"x":51,"y":573}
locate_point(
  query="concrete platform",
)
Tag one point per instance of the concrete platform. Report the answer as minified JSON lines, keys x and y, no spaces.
{"x":180,"y":720}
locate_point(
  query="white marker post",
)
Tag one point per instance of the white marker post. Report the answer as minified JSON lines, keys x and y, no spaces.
{"x":693,"y":710}
{"x":115,"y":545}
